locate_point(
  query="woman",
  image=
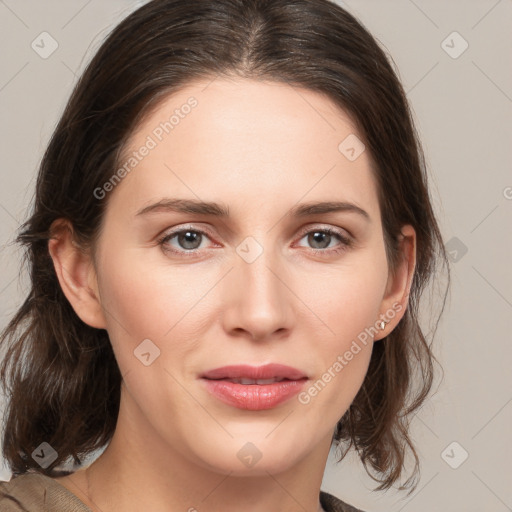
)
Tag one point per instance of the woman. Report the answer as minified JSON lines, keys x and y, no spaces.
{"x":230,"y":236}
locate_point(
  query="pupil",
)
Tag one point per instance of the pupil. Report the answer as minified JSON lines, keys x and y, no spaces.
{"x":318,"y":234}
{"x":189,"y":237}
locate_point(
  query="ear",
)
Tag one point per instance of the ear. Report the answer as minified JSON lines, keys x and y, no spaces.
{"x":396,"y":296}
{"x":76,"y":274}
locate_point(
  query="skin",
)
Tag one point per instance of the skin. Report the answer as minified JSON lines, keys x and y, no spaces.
{"x":260,"y":148}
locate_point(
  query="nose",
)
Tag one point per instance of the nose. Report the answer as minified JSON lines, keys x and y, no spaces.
{"x":258,"y":302}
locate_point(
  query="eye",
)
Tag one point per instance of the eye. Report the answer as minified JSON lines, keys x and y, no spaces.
{"x":188,"y":240}
{"x":323,"y":237}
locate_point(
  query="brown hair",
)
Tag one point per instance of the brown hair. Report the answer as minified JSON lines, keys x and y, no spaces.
{"x":60,"y":374}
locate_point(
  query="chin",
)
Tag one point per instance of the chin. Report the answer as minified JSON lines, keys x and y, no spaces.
{"x":249,"y":458}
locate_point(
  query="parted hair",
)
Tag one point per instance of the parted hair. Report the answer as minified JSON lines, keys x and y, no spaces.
{"x":60,"y":375}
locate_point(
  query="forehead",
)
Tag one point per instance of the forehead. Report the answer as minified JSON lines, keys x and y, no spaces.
{"x":239,"y":140}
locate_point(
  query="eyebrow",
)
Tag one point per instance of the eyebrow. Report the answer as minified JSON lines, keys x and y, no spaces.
{"x":219,"y":210}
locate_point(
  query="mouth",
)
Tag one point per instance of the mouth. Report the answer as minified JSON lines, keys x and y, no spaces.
{"x":252,"y":382}
{"x":254,"y":388}
{"x":265,"y":372}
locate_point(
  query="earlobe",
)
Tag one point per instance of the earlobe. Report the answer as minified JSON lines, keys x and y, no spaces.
{"x":76,"y":274}
{"x":396,"y":298}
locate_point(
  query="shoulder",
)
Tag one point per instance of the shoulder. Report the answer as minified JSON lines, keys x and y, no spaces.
{"x":332,"y":504}
{"x":35,"y":492}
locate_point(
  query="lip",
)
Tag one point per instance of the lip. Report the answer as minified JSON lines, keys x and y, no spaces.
{"x":254,"y":397}
{"x":266,"y":371}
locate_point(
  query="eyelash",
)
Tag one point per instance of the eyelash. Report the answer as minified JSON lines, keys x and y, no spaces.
{"x":346,"y":242}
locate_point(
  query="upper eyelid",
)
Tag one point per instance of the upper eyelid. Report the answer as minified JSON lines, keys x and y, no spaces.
{"x":326,"y":227}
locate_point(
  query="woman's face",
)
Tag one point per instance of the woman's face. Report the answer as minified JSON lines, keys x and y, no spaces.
{"x":250,"y":287}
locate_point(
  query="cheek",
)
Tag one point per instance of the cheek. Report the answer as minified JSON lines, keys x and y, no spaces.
{"x":346,"y":308}
{"x":131,"y":303}
{"x":346,"y":299}
{"x":151,"y":301}
{"x":344,"y":351}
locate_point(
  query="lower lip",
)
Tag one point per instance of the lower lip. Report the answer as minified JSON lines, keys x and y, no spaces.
{"x":254,"y":397}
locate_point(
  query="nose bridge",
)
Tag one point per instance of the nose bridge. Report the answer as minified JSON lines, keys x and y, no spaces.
{"x":255,"y":268}
{"x":259,"y":302}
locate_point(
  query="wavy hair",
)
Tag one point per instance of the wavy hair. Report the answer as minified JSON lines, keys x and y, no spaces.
{"x":60,"y":375}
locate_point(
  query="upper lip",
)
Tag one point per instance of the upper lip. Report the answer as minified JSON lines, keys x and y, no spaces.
{"x":266,"y":371}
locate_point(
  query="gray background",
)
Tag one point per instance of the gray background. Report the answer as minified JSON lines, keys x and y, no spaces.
{"x":462,"y":105}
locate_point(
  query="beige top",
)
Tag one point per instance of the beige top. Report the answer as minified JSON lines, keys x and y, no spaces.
{"x":35,"y":492}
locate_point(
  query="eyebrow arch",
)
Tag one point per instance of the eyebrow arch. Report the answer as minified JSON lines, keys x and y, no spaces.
{"x":303,"y":210}
{"x":219,"y":210}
